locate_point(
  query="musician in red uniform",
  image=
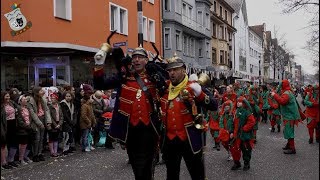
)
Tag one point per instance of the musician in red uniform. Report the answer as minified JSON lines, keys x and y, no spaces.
{"x":183,"y":139}
{"x":133,"y":123}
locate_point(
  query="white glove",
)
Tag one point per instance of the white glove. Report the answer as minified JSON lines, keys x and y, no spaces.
{"x":196,"y":89}
{"x":100,"y":57}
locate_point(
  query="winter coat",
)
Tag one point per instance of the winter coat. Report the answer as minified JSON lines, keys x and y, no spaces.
{"x":3,"y":126}
{"x":53,"y":114}
{"x":87,"y":119}
{"x":22,"y":127}
{"x":36,"y":122}
{"x":99,"y":108}
{"x":69,"y":120}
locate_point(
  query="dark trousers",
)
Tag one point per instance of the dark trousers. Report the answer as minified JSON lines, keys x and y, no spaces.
{"x":141,"y":148}
{"x":175,"y":151}
{"x":265,"y":115}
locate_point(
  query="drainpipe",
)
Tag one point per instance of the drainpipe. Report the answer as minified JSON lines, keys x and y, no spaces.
{"x":140,"y":23}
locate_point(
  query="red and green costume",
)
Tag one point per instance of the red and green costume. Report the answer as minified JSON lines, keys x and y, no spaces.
{"x":275,"y":118}
{"x":290,"y":114}
{"x":226,"y":124}
{"x":243,"y":134}
{"x":256,"y":105}
{"x":312,"y":103}
{"x":214,"y":127}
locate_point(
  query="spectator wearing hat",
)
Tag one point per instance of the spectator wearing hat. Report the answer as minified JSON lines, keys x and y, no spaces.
{"x":41,"y":120}
{"x":133,"y":124}
{"x":87,"y":121}
{"x":179,"y":114}
{"x":56,"y":125}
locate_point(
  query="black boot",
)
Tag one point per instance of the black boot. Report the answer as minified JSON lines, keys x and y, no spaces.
{"x":286,"y":147}
{"x":317,"y":140}
{"x":236,"y":165}
{"x":246,"y":166}
{"x":289,"y":151}
{"x":218,"y":146}
{"x":311,"y":141}
{"x":279,"y":128}
{"x":273,"y":129}
{"x":35,"y":158}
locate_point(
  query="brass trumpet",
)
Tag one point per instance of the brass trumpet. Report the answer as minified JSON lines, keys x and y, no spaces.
{"x":204,"y":79}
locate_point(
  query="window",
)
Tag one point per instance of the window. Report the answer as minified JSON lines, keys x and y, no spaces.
{"x":220,"y":11}
{"x":118,"y":19}
{"x":167,"y":5}
{"x":145,"y":29}
{"x":190,"y":12}
{"x":185,"y":45}
{"x":151,"y":1}
{"x":200,"y":48}
{"x":225,"y":33}
{"x":192,"y":47}
{"x":178,"y":41}
{"x":207,"y":49}
{"x":184,"y":9}
{"x":221,"y":33}
{"x":167,"y":38}
{"x":226,"y":58}
{"x":251,"y":36}
{"x":214,"y":30}
{"x":152,"y":31}
{"x":226,"y":15}
{"x":200,"y":17}
{"x":62,"y":9}
{"x":178,"y":6}
{"x":207,"y":21}
{"x":214,"y":56}
{"x":215,"y":6}
{"x":221,"y":57}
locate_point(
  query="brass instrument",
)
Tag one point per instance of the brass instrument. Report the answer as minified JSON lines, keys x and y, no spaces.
{"x":204,"y":79}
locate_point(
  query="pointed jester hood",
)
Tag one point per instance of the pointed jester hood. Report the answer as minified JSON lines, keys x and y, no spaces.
{"x":245,"y":103}
{"x":227,"y":103}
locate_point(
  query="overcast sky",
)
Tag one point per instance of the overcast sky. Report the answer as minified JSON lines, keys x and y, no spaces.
{"x":289,"y":25}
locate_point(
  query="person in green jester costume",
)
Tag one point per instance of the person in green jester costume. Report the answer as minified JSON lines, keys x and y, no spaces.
{"x":266,"y":106}
{"x":242,"y":135}
{"x":275,"y":118}
{"x":256,"y":105}
{"x":214,"y":128}
{"x":290,"y":114}
{"x":226,"y":125}
{"x":238,"y":90}
{"x":312,"y":103}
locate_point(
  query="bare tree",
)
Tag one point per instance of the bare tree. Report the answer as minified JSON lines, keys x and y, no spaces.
{"x":311,"y":7}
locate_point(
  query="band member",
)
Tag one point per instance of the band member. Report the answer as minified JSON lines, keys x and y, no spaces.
{"x":290,"y":114}
{"x":242,"y":135}
{"x":134,"y":123}
{"x":184,"y":133}
{"x":312,"y":103}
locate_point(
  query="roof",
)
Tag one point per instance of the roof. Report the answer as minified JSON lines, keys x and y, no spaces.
{"x":258,"y":29}
{"x":238,"y":5}
{"x":235,"y":4}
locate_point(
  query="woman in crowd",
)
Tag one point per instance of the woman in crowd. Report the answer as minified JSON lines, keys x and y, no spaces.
{"x":69,"y":118}
{"x":56,"y":126}
{"x":10,"y":109}
{"x":4,"y":123}
{"x":41,"y":119}
{"x":79,"y":93}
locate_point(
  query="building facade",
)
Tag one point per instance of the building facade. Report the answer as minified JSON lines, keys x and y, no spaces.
{"x":222,"y":32}
{"x":65,"y":35}
{"x":255,"y":54}
{"x":241,"y":40}
{"x":186,"y":31}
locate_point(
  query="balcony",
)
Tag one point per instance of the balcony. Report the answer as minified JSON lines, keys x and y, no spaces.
{"x":188,"y":22}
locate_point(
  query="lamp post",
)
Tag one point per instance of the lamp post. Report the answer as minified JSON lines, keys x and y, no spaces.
{"x":140,"y":22}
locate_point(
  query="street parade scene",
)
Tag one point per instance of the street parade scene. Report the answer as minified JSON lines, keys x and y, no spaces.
{"x":160,"y":90}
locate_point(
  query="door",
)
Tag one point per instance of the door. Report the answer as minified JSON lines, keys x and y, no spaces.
{"x":45,"y":76}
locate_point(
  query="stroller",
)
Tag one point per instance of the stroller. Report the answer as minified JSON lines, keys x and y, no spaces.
{"x":106,"y":125}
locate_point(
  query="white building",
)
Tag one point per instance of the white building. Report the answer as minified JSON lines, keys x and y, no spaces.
{"x":255,"y":54}
{"x":241,"y":39}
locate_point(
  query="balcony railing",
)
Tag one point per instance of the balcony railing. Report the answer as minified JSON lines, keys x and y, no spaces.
{"x":193,"y":25}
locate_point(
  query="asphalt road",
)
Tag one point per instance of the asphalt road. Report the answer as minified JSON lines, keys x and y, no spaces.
{"x":268,"y":162}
